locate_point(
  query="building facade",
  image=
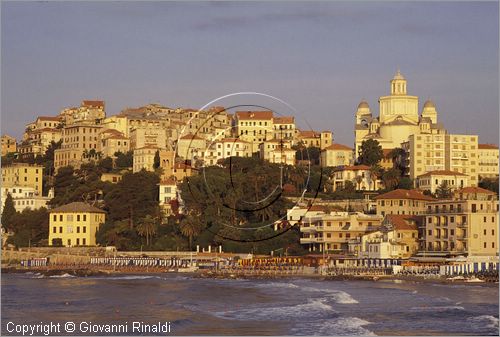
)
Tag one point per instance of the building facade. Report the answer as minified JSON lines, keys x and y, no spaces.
{"x":488,"y":161}
{"x":24,"y":175}
{"x":336,"y":155}
{"x":431,"y":181}
{"x":402,"y":202}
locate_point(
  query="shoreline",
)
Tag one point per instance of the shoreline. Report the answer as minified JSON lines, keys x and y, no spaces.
{"x":80,"y":271}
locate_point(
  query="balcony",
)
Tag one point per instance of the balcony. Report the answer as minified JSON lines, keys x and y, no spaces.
{"x":310,"y":240}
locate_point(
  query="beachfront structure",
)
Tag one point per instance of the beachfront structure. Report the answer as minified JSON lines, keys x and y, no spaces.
{"x":24,"y":175}
{"x":336,"y":155}
{"x":74,"y":224}
{"x":431,"y":181}
{"x":9,"y":145}
{"x":331,"y":232}
{"x":404,"y":202}
{"x":359,"y":175}
{"x":488,"y":161}
{"x":467,"y":224}
{"x":396,"y":238}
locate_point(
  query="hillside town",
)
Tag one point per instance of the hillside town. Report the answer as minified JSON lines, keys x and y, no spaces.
{"x":408,"y":194}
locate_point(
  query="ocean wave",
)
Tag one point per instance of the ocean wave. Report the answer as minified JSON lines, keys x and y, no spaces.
{"x":340,"y":326}
{"x":65,"y":275}
{"x":488,"y":321}
{"x":316,"y":308}
{"x":131,"y":277}
{"x":339,"y":296}
{"x":277,"y":285}
{"x":438,"y":308}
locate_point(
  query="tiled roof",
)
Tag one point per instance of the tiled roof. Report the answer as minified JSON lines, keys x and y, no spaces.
{"x":309,"y":134}
{"x":242,"y":115}
{"x":338,"y":147}
{"x":442,"y":173}
{"x":168,"y":181}
{"x":475,"y":190}
{"x":354,"y":168}
{"x":487,"y":147}
{"x":93,"y":103}
{"x":284,"y":120}
{"x":401,"y":222}
{"x":404,"y":194}
{"x":77,"y":207}
{"x":49,"y":118}
{"x":232,"y":140}
{"x":191,"y":136}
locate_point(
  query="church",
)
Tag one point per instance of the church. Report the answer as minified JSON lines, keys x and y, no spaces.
{"x":398,"y":118}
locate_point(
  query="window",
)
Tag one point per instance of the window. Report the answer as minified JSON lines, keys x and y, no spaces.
{"x":84,"y":217}
{"x":60,"y":229}
{"x":69,"y":242}
{"x":54,"y":229}
{"x":84,"y":241}
{"x":484,"y":219}
{"x":54,"y":217}
{"x":78,"y":229}
{"x":340,"y":235}
{"x":77,"y":241}
{"x":78,"y":217}
{"x":84,"y":229}
{"x":429,"y":232}
{"x":484,"y":245}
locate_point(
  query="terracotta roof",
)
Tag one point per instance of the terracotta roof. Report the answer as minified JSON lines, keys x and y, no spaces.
{"x":148,"y":147}
{"x":93,"y":103}
{"x":401,"y":222}
{"x":309,"y":134}
{"x":284,"y":120}
{"x":442,"y":173}
{"x":338,"y":147}
{"x":168,"y":181}
{"x":49,"y":118}
{"x":254,"y":114}
{"x":76,"y":207}
{"x":317,"y":208}
{"x":182,"y":166}
{"x":487,"y":146}
{"x":232,"y":140}
{"x":404,"y":194}
{"x":475,"y":190}
{"x":354,"y":168}
{"x":191,"y":136}
{"x":46,"y":129}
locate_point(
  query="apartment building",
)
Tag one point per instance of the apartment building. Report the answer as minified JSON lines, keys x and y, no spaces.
{"x":403,"y":202}
{"x":431,"y":181}
{"x":467,"y":224}
{"x":359,"y":175}
{"x":254,"y":127}
{"x":336,"y":155}
{"x":314,"y":138}
{"x":24,"y":175}
{"x":144,"y":158}
{"x":488,"y":161}
{"x":284,"y":128}
{"x":167,"y":193}
{"x":112,"y":141}
{"x":9,"y":145}
{"x":75,"y":224}
{"x":332,"y":232}
{"x":26,"y":197}
{"x":78,"y":141}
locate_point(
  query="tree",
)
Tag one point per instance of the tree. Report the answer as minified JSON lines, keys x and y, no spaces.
{"x":405,"y":183}
{"x":156,"y":163}
{"x":375,"y":173}
{"x":370,"y":152}
{"x":190,"y":227}
{"x":398,"y":156}
{"x":489,"y":184}
{"x":106,"y":164}
{"x":147,"y":227}
{"x":30,"y":227}
{"x":124,"y":160}
{"x":358,"y":180}
{"x":443,"y":191}
{"x":8,"y":213}
{"x":391,"y":178}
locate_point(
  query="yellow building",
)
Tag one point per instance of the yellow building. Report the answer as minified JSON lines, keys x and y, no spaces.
{"x":167,"y":194}
{"x":464,"y":225}
{"x":148,"y":136}
{"x":75,"y":224}
{"x":359,"y":175}
{"x":284,"y":128}
{"x":441,"y":151}
{"x":397,"y":238}
{"x":9,"y":145}
{"x":78,"y":140}
{"x":430,"y":181}
{"x":316,"y":139}
{"x":111,"y":177}
{"x":118,"y":123}
{"x":332,"y":232}
{"x":25,"y":175}
{"x":92,"y":112}
{"x":336,"y":155}
{"x":398,"y":118}
{"x":113,"y":141}
{"x":144,"y":158}
{"x":191,"y":147}
{"x":254,"y":127}
{"x":488,"y":161}
{"x":403,"y":202}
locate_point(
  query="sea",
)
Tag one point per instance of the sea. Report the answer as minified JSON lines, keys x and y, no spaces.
{"x":292,"y":306}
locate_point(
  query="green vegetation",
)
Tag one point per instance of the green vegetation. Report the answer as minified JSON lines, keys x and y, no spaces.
{"x":370,"y":152}
{"x":489,"y":184}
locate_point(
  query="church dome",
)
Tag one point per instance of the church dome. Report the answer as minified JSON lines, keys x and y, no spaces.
{"x":398,"y":76}
{"x":363,"y":104}
{"x":429,"y":104}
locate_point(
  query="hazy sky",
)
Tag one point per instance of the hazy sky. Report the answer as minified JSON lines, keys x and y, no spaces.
{"x":322,"y":58}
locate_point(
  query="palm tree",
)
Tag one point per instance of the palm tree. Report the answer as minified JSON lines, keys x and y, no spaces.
{"x":358,"y":180}
{"x":147,"y":228}
{"x":375,"y":173}
{"x":190,"y":227}
{"x":398,"y":156}
{"x":391,"y":178}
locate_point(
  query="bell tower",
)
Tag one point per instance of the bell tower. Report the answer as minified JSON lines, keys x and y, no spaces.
{"x":398,"y":84}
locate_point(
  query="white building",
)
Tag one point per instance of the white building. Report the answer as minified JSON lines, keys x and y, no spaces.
{"x":359,"y":175}
{"x":430,"y":181}
{"x":26,"y":197}
{"x":167,"y":194}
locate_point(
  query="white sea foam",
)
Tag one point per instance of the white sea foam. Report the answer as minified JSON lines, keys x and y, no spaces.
{"x":340,"y":326}
{"x":316,"y":308}
{"x":277,"y":285}
{"x":488,"y":321}
{"x":65,"y":275}
{"x":438,"y":308}
{"x":131,"y":277}
{"x":338,"y":296}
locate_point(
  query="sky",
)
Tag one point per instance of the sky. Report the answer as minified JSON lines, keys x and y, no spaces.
{"x":321,"y":58}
